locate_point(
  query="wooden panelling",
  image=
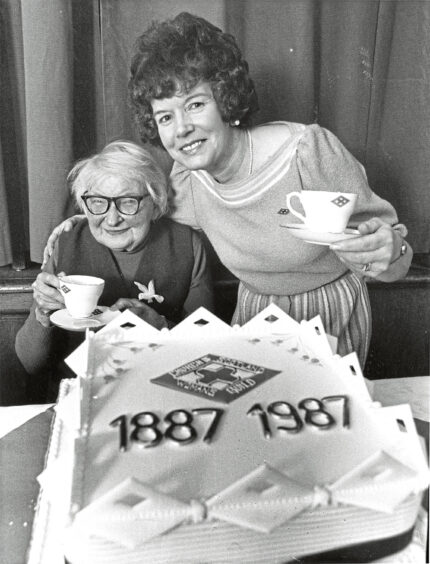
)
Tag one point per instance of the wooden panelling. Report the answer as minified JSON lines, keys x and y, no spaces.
{"x":12,"y":375}
{"x":401,"y":327}
{"x":15,"y":300}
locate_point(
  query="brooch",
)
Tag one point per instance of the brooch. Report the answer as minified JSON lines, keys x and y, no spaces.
{"x":148,"y":292}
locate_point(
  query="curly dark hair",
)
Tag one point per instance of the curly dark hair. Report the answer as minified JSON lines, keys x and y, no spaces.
{"x":179,"y":53}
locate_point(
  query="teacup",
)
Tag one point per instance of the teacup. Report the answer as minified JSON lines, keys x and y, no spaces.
{"x":81,"y":294}
{"x":324,"y":211}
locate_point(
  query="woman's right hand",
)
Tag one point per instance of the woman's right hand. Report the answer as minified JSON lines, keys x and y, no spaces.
{"x":142,"y":310}
{"x":66,"y":225}
{"x":47,"y":296}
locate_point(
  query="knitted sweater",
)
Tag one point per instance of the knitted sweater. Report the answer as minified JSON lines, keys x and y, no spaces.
{"x":243,"y":220}
{"x":173,"y":256}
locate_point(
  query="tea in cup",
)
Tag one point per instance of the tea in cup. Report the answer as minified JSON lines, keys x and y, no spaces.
{"x":324,"y":211}
{"x":81,"y":294}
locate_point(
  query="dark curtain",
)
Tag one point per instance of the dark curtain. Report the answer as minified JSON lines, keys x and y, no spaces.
{"x":36,"y":122}
{"x":47,"y":116}
{"x":357,"y":67}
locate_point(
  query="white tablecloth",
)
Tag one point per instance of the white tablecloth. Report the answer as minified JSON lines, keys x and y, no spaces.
{"x":413,"y":390}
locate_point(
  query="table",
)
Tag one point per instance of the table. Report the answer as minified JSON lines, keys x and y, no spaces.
{"x":22,"y":456}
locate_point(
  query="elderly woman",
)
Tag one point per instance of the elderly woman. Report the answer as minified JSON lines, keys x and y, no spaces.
{"x":192,"y":94}
{"x":124,"y":240}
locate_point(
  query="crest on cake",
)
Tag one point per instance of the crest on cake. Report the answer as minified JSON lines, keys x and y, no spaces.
{"x":216,"y":377}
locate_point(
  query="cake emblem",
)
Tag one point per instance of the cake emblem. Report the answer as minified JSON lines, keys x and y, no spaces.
{"x":216,"y":377}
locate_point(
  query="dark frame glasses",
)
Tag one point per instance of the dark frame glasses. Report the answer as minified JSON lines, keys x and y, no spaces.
{"x":99,"y":205}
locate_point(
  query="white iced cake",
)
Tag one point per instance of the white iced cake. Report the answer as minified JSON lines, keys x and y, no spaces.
{"x":209,"y":443}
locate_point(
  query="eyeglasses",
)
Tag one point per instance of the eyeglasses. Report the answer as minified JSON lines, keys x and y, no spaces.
{"x":127,"y":205}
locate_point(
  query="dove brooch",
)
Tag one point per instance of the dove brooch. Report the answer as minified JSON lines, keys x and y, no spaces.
{"x":147,"y":293}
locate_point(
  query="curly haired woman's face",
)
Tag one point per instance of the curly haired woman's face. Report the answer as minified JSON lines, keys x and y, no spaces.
{"x":192,"y":130}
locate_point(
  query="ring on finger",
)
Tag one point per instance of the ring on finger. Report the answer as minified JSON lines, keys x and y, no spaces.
{"x":43,"y":311}
{"x":366,"y":267}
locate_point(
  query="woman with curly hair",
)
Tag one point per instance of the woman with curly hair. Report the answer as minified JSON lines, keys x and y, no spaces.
{"x":191,"y":94}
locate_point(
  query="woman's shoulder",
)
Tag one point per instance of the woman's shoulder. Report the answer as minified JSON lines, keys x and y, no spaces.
{"x":314,"y":140}
{"x":179,"y":172}
{"x":172,"y":227}
{"x":320,"y":139}
{"x":319,"y":145}
{"x":281,"y":128}
{"x":179,"y":181}
{"x":276,"y":133}
{"x":181,"y":236}
{"x":269,"y":138}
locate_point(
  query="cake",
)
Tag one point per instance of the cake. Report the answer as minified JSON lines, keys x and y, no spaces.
{"x":211,"y":443}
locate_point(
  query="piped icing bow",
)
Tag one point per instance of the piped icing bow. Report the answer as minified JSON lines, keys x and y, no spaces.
{"x":133,"y":513}
{"x":147,"y":293}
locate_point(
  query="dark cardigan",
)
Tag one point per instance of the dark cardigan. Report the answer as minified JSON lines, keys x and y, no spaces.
{"x":167,"y":258}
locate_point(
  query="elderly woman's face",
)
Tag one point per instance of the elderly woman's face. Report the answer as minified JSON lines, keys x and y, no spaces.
{"x":116,"y":230}
{"x":192,"y":130}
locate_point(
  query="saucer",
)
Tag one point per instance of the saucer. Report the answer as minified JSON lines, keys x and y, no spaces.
{"x":100,"y":316}
{"x":300,"y":231}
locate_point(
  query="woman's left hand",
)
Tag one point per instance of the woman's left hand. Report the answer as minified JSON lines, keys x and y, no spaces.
{"x":372,"y":253}
{"x":142,"y":310}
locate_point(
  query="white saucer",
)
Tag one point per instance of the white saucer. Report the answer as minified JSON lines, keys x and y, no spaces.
{"x":100,"y":316}
{"x":300,"y":231}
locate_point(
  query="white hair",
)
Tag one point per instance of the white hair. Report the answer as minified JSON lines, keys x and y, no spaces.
{"x":124,"y":160}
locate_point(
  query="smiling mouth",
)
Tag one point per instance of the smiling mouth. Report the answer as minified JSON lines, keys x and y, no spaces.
{"x":192,"y":148}
{"x":119,"y":232}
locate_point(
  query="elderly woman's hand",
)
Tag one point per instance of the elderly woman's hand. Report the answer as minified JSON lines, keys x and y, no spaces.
{"x":47,"y":296}
{"x":66,"y":225}
{"x":142,"y":310}
{"x":374,"y":252}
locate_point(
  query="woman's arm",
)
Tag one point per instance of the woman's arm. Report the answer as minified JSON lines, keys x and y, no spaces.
{"x":37,"y":341}
{"x":142,"y":310}
{"x":325,"y":164}
{"x":201,"y":288}
{"x":66,"y":225}
{"x":381,"y":252}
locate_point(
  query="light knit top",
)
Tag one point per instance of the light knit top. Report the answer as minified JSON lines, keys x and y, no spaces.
{"x":243,"y":220}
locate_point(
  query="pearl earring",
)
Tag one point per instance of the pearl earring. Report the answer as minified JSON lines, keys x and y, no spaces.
{"x":235,"y":123}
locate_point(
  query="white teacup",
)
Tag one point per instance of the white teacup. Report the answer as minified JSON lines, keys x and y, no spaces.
{"x":324,"y":211}
{"x":81,"y":294}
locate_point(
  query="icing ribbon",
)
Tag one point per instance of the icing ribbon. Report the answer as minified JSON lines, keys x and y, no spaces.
{"x":133,"y":513}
